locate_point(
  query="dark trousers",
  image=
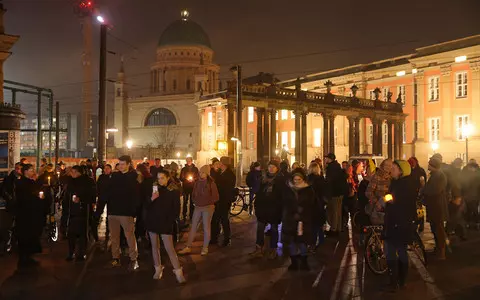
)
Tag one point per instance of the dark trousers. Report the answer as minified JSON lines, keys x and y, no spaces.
{"x":72,"y":242}
{"x":220,"y":216}
{"x":261,"y":234}
{"x":187,"y":202}
{"x":456,"y":221}
{"x":439,"y":234}
{"x":472,"y":211}
{"x":348,"y":207}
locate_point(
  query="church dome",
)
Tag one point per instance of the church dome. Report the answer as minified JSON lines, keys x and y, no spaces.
{"x":184,"y":32}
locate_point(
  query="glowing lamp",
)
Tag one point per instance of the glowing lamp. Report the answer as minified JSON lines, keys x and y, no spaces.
{"x":388,"y":198}
{"x":460,"y":58}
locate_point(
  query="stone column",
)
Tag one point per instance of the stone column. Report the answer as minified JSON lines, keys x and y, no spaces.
{"x":259,"y":134}
{"x":421,"y":86}
{"x":298,"y":138}
{"x":395,"y":141}
{"x":326,"y":147}
{"x":331,"y":130}
{"x":374,"y":136}
{"x":266,"y":138}
{"x":389,"y":142}
{"x":304,"y":138}
{"x":230,"y":130}
{"x":380,"y":138}
{"x":400,"y":140}
{"x":357,"y":136}
{"x":273,"y":133}
{"x":351,"y":136}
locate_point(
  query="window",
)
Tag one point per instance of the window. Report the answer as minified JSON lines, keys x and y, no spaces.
{"x":276,"y":115}
{"x":317,"y":137}
{"x":401,"y":91}
{"x":174,"y":84}
{"x":219,"y":118}
{"x":284,"y":114}
{"x":292,"y":114}
{"x":385,"y":133}
{"x":335,"y":135}
{"x":188,"y":84}
{"x":404,"y":133}
{"x":461,"y":84}
{"x":460,"y":122}
{"x":250,"y":116}
{"x":161,"y":117}
{"x":385,"y":91}
{"x":372,"y":95}
{"x":210,"y":119}
{"x":370,"y":134}
{"x":251,"y":140}
{"x":433,"y":89}
{"x":284,"y":138}
{"x":292,"y":139}
{"x":434,"y":131}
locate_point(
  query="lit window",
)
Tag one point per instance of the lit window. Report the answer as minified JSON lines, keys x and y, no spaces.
{"x":372,"y":95}
{"x":284,"y":138}
{"x":460,"y":122}
{"x":401,"y":90}
{"x":210,"y":119}
{"x":385,"y":92}
{"x":385,"y":133}
{"x":370,"y":134}
{"x":433,"y":88}
{"x":276,"y":115}
{"x":335,"y":135}
{"x":292,"y":139}
{"x":250,"y":114}
{"x":251,"y":138}
{"x":292,"y":114}
{"x":404,"y":132}
{"x":461,"y":84}
{"x":219,"y":118}
{"x":284,"y":114}
{"x":317,"y":137}
{"x":434,"y":130}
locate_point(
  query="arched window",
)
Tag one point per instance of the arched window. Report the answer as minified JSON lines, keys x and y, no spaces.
{"x":160,"y":117}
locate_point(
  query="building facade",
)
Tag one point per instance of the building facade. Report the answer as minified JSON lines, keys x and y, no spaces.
{"x":438,"y":87}
{"x":165,"y":123}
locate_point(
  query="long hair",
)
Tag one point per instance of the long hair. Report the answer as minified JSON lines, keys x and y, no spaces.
{"x":313,"y":166}
{"x":142,"y":168}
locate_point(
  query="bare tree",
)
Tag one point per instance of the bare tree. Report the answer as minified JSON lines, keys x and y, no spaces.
{"x":166,"y":140}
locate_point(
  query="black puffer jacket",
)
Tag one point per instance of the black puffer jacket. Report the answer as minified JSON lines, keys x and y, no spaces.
{"x":299,"y":205}
{"x":123,"y":196}
{"x":161,"y":213}
{"x":268,"y":204}
{"x":30,"y":217}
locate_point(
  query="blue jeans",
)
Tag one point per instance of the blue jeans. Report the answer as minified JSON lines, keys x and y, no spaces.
{"x":298,"y":249}
{"x":395,"y":248}
{"x":318,"y":234}
{"x":261,"y":234}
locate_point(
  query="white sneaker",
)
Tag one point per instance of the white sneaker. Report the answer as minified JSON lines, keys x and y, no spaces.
{"x":186,"y":250}
{"x":179,"y":274}
{"x":204,"y":251}
{"x":158,"y":272}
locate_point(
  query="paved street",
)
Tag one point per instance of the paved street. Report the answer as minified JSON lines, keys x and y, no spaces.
{"x":338,"y":272}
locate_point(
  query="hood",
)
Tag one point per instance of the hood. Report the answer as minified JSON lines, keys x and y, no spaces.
{"x":404,"y":166}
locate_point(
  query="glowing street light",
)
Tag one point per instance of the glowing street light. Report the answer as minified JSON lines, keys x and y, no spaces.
{"x":434,"y":146}
{"x":178,"y":154}
{"x":101,"y":19}
{"x":234,"y":139}
{"x":467,"y":130}
{"x":460,"y":58}
{"x":129,"y":144}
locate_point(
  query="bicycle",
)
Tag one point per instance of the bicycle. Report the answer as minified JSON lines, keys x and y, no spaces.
{"x":243,"y":201}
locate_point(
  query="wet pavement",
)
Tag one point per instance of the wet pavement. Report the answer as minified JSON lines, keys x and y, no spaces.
{"x":338,"y":271}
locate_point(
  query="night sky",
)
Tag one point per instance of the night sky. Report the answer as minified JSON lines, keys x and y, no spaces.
{"x":348,"y":31}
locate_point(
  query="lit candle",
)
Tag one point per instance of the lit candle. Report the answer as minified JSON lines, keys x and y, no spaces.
{"x":58,"y":174}
{"x":388,"y":197}
{"x":48,"y":180}
{"x":40,"y":194}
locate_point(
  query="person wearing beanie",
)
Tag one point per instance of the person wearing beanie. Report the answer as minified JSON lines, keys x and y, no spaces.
{"x":205,"y":195}
{"x":456,"y":206}
{"x":400,"y":214}
{"x":268,"y":209}
{"x":435,"y":197}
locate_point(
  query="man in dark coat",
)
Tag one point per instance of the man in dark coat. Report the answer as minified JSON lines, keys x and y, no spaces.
{"x":225,"y":181}
{"x":435,"y":197}
{"x":417,"y":174}
{"x":471,"y":193}
{"x":156,"y":168}
{"x":456,"y":223}
{"x":123,"y":199}
{"x":188,"y":176}
{"x":336,"y":188}
{"x":78,"y":198}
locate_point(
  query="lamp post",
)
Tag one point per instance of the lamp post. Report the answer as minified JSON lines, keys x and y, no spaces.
{"x":129,"y":145}
{"x":238,"y":146}
{"x":237,"y":71}
{"x":102,"y":142}
{"x":467,"y":130}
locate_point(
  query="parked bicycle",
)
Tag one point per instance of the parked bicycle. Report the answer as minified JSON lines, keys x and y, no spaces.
{"x":243,"y":201}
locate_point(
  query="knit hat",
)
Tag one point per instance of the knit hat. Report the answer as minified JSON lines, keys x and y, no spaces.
{"x":274,"y":163}
{"x":299,"y":172}
{"x":371,"y":165}
{"x":435,"y":163}
{"x":404,"y":166}
{"x":205,"y":169}
{"x":438,"y":156}
{"x":226,"y":160}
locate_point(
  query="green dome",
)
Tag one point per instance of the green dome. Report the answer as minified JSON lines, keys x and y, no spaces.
{"x":184,"y":32}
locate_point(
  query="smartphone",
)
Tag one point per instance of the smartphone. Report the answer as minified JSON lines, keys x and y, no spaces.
{"x":155,"y":189}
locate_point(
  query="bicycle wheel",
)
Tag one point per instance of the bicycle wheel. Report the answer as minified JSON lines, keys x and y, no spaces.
{"x":237,"y":206}
{"x":418,"y":248}
{"x":375,"y":255}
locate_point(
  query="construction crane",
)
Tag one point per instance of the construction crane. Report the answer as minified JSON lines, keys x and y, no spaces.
{"x":84,"y":9}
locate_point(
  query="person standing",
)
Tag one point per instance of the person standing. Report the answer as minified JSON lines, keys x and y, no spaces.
{"x":456,"y":223}
{"x":268,"y":209}
{"x":435,"y":197}
{"x":336,"y":184}
{"x":253,"y":181}
{"x":400,"y":215}
{"x":157,"y":167}
{"x":205,"y":195}
{"x":123,"y":198}
{"x":161,"y":213}
{"x":471,"y":193}
{"x":145,"y":181}
{"x":188,"y":176}
{"x":76,"y":203}
{"x":29,"y":216}
{"x":103,"y":186}
{"x":317,"y":182}
{"x":376,"y":190}
{"x":350,"y":198}
{"x":417,"y":174}
{"x":225,"y":181}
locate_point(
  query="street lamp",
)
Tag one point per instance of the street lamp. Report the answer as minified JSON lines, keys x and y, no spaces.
{"x":434,"y":147}
{"x":129,"y":144}
{"x":467,"y":130}
{"x":102,"y":89}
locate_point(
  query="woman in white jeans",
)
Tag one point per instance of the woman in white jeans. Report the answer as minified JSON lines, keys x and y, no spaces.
{"x":205,"y":194}
{"x":162,"y":210}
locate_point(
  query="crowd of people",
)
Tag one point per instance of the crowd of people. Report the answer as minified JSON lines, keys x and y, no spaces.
{"x":152,"y":204}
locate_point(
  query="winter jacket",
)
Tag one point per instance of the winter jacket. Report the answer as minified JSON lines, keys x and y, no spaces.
{"x":401,"y":212}
{"x":299,"y":206}
{"x":453,"y":189}
{"x":83,"y":188}
{"x":378,"y":185}
{"x":418,"y":172}
{"x":185,"y":174}
{"x":205,"y":192}
{"x":123,"y":195}
{"x":435,"y":197}
{"x":161,"y":213}
{"x":254,"y":178}
{"x":470,"y":184}
{"x":268,"y":204}
{"x":336,"y":180}
{"x":226,"y":181}
{"x":317,"y":182}
{"x":103,"y":187}
{"x":154,"y":170}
